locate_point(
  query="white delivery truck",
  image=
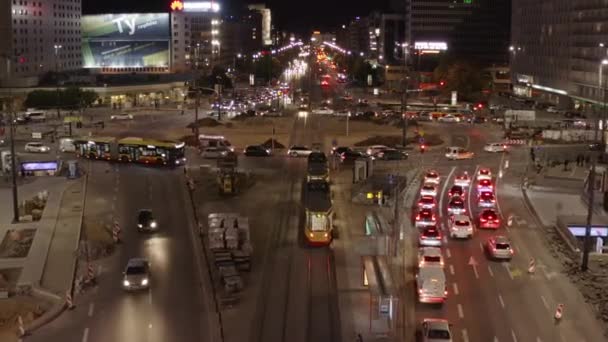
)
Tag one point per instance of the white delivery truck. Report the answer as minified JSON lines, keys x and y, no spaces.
{"x":67,"y":145}
{"x":431,"y":286}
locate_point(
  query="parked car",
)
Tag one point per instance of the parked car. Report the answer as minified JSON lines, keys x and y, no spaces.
{"x":121,"y":116}
{"x":257,"y":151}
{"x":299,"y":151}
{"x":37,"y":147}
{"x":214,"y":152}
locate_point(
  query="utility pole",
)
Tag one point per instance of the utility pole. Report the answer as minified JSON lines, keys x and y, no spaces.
{"x":11,"y":115}
{"x":587,"y":241}
{"x":57,"y":48}
{"x":405,"y":78}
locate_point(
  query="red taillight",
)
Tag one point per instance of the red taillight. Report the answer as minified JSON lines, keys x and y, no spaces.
{"x":433,"y":218}
{"x":493,"y":200}
{"x":418,"y":217}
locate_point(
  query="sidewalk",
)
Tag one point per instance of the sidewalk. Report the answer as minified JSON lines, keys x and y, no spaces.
{"x":577,"y":286}
{"x":48,"y":267}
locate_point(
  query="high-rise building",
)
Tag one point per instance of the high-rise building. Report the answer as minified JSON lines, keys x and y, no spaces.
{"x":38,"y":37}
{"x":386,"y":36}
{"x":354,"y":36}
{"x":266,"y":22}
{"x":473,"y":29}
{"x":557,"y":50}
{"x":195,"y":31}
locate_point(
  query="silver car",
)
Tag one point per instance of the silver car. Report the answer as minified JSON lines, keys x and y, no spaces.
{"x":499,"y":248}
{"x":436,"y":330}
{"x":136,"y":275}
{"x":215,"y":152}
{"x":36,"y":147}
{"x":299,"y":151}
{"x":429,"y":189}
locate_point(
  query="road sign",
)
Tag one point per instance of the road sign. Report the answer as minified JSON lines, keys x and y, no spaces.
{"x":421,"y":140}
{"x":420,"y":132}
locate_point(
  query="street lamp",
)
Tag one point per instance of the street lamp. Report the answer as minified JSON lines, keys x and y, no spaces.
{"x":9,"y":109}
{"x":57,"y":47}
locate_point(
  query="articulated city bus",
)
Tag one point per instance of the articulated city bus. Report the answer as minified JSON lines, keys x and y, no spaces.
{"x":318,"y":229}
{"x":131,"y":150}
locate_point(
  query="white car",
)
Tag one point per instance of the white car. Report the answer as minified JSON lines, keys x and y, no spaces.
{"x":429,"y":189}
{"x":299,"y":151}
{"x":430,"y":256}
{"x":122,"y":116}
{"x":432,"y":177}
{"x":463,"y":180}
{"x":374,"y":149}
{"x":214,"y":152}
{"x":344,"y":113}
{"x":495,"y":147}
{"x":458,"y":153}
{"x":484,"y":173}
{"x":461,"y":227}
{"x":449,"y":118}
{"x":436,"y":330}
{"x":323,"y":110}
{"x":36,"y":147}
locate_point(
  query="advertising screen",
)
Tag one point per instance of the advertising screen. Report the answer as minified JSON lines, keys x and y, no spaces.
{"x":126,"y":40}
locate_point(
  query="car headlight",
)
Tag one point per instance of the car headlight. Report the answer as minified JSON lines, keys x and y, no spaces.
{"x":144,"y":281}
{"x":153,"y":224}
{"x":139,"y":225}
{"x":268,"y":151}
{"x":126,"y":283}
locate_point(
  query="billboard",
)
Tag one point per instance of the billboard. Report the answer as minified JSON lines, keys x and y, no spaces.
{"x":126,"y":40}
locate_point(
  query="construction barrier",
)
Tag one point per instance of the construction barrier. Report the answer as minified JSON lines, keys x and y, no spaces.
{"x":68,"y":300}
{"x":510,"y":220}
{"x":90,"y":274}
{"x":559,"y":311}
{"x":532,"y":266}
{"x":116,"y":232}
{"x":20,"y":327}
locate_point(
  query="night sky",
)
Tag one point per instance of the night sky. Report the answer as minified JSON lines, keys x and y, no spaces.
{"x":294,"y":16}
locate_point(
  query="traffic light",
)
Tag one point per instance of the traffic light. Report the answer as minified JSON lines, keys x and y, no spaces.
{"x":422,"y":148}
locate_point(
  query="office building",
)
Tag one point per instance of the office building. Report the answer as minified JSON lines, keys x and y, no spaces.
{"x":557,"y":56}
{"x":39,"y":36}
{"x":196,"y":36}
{"x":477,"y":30}
{"x":386,"y":37}
{"x":266,"y":22}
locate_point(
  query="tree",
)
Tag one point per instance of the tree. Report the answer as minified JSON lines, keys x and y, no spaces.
{"x":68,"y":98}
{"x":466,"y":78}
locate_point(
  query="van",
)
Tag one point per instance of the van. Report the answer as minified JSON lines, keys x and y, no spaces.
{"x":214,"y":141}
{"x":36,"y":116}
{"x":431,"y":286}
{"x":67,"y":145}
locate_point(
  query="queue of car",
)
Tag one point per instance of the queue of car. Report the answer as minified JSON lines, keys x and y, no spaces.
{"x":430,"y":276}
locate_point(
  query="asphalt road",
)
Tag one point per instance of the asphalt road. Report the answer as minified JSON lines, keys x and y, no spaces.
{"x":489,"y":300}
{"x":173,"y":309}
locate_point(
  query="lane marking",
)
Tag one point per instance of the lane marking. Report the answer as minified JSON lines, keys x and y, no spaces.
{"x":513,"y":335}
{"x":481,"y":246}
{"x":460,"y":312}
{"x":502,"y":302}
{"x":445,"y":239}
{"x":508,"y":268}
{"x":471,"y":189}
{"x":496,"y":339}
{"x":475,"y":272}
{"x":455,"y":286}
{"x":91,"y":308}
{"x":544,"y":301}
{"x":538,"y":339}
{"x":452,"y":269}
{"x":445,"y":187}
{"x":448,"y":253}
{"x":85,"y":335}
{"x":465,"y":335}
{"x":490,"y":270}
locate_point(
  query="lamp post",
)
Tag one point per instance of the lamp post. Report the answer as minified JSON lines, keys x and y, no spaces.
{"x":57,"y":48}
{"x":9,"y":109}
{"x":405,"y":80}
{"x":591,"y":185}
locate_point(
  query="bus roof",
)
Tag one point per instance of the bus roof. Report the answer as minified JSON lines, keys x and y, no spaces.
{"x":151,"y":142}
{"x":317,"y":201}
{"x":95,"y":139}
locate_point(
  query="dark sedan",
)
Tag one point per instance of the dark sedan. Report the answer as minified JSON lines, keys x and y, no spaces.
{"x":257,"y":151}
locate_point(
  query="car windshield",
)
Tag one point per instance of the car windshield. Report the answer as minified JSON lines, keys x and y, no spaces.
{"x":145,"y":215}
{"x":456,"y":203}
{"x":432,"y":259}
{"x":428,"y":187}
{"x":439,"y":334}
{"x":431,"y":232}
{"x":426,"y":199}
{"x":462,"y":223}
{"x":317,"y":158}
{"x":131,"y":270}
{"x":502,"y":245}
{"x":36,"y":144}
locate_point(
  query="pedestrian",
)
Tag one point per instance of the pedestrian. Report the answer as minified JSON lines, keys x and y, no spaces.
{"x":579,"y":160}
{"x":587,"y":160}
{"x":566,"y":161}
